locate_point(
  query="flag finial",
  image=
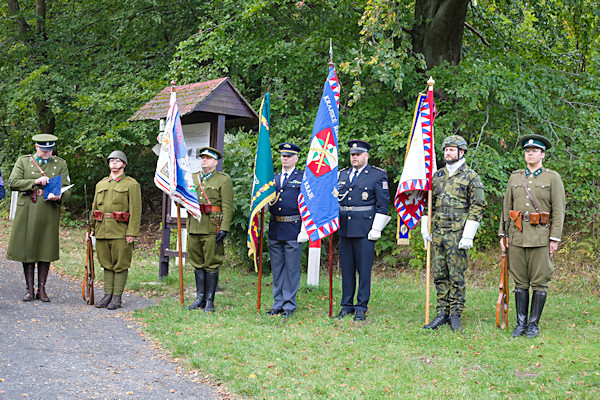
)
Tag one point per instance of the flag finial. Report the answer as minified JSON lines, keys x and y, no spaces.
{"x":173,"y":85}
{"x":430,"y":82}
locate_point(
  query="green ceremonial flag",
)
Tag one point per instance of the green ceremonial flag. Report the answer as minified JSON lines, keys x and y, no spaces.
{"x":263,"y":189}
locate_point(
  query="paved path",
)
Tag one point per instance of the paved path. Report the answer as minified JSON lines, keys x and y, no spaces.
{"x":68,"y":350}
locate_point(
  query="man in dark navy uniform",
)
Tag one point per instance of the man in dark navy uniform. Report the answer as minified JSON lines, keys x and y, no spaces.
{"x":285,"y":248}
{"x":364,"y":200}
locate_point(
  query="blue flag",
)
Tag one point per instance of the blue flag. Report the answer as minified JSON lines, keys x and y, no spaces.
{"x":318,"y":198}
{"x":173,"y":174}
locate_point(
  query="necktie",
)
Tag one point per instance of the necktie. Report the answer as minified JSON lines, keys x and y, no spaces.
{"x":284,"y":181}
{"x":354,"y":173}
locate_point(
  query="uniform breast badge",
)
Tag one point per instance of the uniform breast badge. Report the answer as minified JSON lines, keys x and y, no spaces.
{"x":365,"y":195}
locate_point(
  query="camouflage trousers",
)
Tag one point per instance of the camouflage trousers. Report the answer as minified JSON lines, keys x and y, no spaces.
{"x":448,"y":267}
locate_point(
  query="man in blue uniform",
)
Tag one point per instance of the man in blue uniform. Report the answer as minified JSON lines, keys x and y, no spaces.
{"x":285,"y":248}
{"x":364,"y":200}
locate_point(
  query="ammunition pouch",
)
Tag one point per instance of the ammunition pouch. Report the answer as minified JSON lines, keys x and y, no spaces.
{"x":121,"y":216}
{"x":544,"y":218}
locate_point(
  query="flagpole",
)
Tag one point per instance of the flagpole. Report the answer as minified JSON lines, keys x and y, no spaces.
{"x":179,"y":248}
{"x":430,"y":83}
{"x":331,"y":275}
{"x":260,"y":259}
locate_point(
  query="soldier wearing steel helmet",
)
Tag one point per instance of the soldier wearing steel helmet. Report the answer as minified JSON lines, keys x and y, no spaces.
{"x":116,"y":211}
{"x":458,"y":202}
{"x":34,"y":236}
{"x":534,"y":210}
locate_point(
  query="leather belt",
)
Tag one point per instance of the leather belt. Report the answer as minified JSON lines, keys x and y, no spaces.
{"x":287,"y":218}
{"x":451,"y":210}
{"x":119,"y":216}
{"x":357,"y":208}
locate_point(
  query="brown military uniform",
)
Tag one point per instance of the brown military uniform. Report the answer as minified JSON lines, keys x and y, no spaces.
{"x":122,"y":194}
{"x":528,"y":253}
{"x":218,"y":187}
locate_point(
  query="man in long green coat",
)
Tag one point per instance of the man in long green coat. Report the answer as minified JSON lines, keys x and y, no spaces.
{"x":117,"y":212}
{"x":205,"y":237}
{"x":34,"y":237}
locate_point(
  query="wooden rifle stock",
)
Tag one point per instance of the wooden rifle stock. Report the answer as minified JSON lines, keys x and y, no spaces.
{"x":502,"y":304}
{"x":87,"y":288}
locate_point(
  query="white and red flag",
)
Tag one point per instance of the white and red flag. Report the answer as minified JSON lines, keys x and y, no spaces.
{"x":419,"y":167}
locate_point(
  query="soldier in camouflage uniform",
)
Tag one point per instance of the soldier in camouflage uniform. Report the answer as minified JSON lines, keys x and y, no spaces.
{"x":117,"y":211}
{"x":534,"y":211}
{"x":34,"y":237}
{"x":458,"y":201}
{"x":205,"y":237}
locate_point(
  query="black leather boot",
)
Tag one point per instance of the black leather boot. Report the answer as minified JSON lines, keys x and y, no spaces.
{"x":537,"y":306}
{"x":200,"y":302}
{"x":210,"y":287}
{"x":455,"y":324}
{"x":43,"y":269}
{"x":522,"y":306}
{"x":105,"y":301}
{"x":439,"y":320}
{"x":29,"y":271}
{"x":115,"y":303}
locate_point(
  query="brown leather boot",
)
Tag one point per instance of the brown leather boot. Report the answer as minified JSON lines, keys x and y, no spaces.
{"x":115,"y":303}
{"x":105,"y":301}
{"x":29,"y":271}
{"x":43,"y":269}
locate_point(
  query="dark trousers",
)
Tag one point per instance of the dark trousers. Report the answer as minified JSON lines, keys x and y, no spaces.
{"x":286,"y":256}
{"x":356,"y":255}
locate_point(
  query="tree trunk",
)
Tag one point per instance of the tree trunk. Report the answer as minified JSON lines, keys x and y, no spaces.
{"x":438,"y":30}
{"x":35,"y":41}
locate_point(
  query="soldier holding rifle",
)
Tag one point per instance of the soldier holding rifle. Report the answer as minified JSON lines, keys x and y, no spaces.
{"x":534,"y":207}
{"x":117,"y":211}
{"x":205,"y":237}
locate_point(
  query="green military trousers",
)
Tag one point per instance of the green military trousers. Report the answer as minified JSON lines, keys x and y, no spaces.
{"x":114,"y":254}
{"x":530,"y":266}
{"x":449,"y":266}
{"x":201,"y":252}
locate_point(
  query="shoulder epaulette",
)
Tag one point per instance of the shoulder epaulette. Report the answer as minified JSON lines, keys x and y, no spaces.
{"x":342,"y":170}
{"x":377,"y":168}
{"x":518,"y":171}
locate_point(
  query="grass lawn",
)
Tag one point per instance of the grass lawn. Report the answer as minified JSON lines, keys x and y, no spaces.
{"x":311,"y":356}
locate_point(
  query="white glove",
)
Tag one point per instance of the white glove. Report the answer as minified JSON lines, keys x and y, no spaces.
{"x":425,"y":230}
{"x":303,"y":235}
{"x":468,"y":234}
{"x":379,"y":222}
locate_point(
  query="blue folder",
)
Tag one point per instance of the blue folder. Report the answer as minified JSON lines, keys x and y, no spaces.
{"x":54,"y":186}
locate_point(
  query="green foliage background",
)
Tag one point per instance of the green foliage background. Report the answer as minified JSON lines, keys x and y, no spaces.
{"x":538,"y":73}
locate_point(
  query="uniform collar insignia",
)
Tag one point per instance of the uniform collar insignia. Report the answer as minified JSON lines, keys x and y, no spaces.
{"x":206,"y":176}
{"x":534,"y":173}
